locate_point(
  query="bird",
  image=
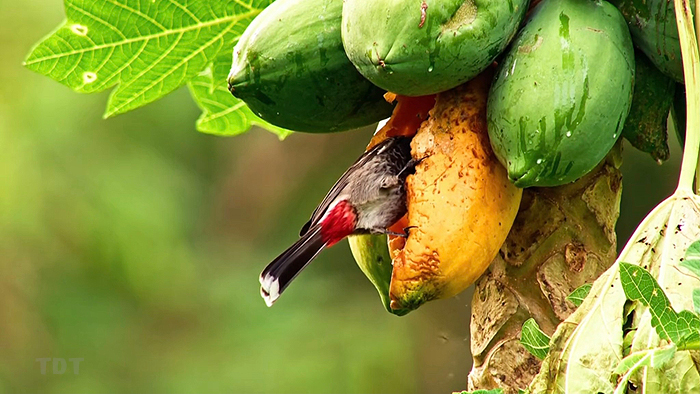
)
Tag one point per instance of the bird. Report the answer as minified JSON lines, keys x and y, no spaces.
{"x":367,"y":199}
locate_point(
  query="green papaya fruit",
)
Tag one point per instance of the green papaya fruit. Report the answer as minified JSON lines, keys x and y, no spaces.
{"x":646,"y":124}
{"x":654,"y":31}
{"x":290,"y":68}
{"x":421,"y":47}
{"x":560,"y":96}
{"x":372,"y":256}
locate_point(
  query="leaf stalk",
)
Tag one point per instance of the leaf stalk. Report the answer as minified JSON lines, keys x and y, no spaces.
{"x":691,"y":72}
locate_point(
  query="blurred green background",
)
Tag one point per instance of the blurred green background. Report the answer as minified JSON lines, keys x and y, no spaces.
{"x":135,"y":243}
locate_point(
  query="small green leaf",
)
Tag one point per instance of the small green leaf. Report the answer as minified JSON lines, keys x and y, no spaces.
{"x":696,"y":300}
{"x":223,"y":114}
{"x":654,"y":358}
{"x":577,"y":296}
{"x":639,"y":285}
{"x":534,"y":340}
{"x":627,"y":341}
{"x":691,"y":338}
{"x":646,"y":358}
{"x":693,"y":251}
{"x":692,"y":258}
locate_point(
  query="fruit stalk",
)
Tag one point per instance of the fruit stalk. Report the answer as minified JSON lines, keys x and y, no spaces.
{"x":697,"y":36}
{"x":697,"y":22}
{"x":691,"y":72}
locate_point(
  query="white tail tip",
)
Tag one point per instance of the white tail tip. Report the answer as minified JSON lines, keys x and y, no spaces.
{"x":269,"y":289}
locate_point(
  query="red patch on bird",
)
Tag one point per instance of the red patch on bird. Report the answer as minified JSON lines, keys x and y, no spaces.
{"x":339,"y":223}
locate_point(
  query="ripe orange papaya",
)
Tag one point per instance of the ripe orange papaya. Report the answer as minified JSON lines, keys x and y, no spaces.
{"x":461,"y":204}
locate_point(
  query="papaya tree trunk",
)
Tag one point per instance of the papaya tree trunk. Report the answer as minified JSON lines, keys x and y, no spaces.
{"x":562,"y":238}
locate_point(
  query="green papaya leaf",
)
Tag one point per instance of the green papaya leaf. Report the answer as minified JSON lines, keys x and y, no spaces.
{"x":653,"y":358}
{"x":592,"y":332}
{"x":147,"y":49}
{"x":646,"y":358}
{"x":534,"y":340}
{"x":577,"y":296}
{"x":692,"y":258}
{"x":627,"y":341}
{"x":586,"y":349}
{"x":680,"y":328}
{"x":691,"y":340}
{"x":696,"y":300}
{"x":223,"y":114}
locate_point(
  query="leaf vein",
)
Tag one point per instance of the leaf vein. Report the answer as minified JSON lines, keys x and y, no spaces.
{"x":99,"y":20}
{"x":137,"y":13}
{"x":185,"y":29}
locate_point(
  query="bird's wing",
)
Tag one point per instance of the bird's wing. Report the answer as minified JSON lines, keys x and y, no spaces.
{"x":342,"y":182}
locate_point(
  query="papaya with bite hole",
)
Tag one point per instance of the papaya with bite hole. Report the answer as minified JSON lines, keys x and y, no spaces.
{"x":460,"y":203}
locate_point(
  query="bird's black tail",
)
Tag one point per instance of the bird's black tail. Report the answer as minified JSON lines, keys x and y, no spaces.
{"x":282,"y":270}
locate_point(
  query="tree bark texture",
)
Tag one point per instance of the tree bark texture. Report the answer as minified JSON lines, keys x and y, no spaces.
{"x":562,"y":238}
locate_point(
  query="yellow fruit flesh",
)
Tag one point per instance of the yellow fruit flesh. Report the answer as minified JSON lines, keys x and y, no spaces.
{"x":461,"y":204}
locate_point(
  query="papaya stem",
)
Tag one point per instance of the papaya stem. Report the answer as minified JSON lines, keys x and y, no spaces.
{"x":697,"y":37}
{"x":691,"y":72}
